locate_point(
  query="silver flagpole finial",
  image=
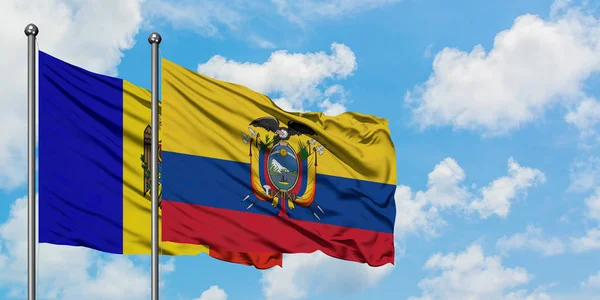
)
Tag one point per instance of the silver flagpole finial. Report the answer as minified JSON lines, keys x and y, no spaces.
{"x":31,"y":29}
{"x":154,"y":38}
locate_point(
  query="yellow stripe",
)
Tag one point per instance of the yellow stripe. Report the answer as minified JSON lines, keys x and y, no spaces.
{"x":206,"y":117}
{"x":136,"y":207}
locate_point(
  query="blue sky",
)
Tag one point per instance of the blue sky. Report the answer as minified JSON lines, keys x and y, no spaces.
{"x":492,"y":107}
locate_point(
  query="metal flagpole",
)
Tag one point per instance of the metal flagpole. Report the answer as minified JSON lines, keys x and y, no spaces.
{"x":31,"y":32}
{"x":154,"y":41}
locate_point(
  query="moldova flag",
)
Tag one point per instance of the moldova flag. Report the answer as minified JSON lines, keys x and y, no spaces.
{"x":94,"y":170}
{"x":242,"y":174}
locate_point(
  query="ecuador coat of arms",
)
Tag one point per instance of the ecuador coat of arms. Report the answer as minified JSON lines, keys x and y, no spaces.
{"x":283,"y":165}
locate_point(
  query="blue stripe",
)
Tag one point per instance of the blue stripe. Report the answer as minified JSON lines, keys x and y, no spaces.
{"x":224,"y":184}
{"x":80,"y":157}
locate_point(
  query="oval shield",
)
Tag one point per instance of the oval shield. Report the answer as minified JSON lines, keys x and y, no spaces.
{"x":283,"y":166}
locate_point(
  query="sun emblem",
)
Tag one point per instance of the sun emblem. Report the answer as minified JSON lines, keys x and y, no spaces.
{"x":283,"y":152}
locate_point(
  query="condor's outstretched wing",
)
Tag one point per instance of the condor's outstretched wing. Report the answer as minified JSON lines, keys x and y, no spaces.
{"x":268,"y":123}
{"x":297,"y":128}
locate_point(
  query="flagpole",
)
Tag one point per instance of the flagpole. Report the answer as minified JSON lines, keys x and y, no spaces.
{"x":31,"y":31}
{"x":154,"y":39}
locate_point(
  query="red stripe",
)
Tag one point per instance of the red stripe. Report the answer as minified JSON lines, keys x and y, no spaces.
{"x":260,"y":260}
{"x":249,"y":232}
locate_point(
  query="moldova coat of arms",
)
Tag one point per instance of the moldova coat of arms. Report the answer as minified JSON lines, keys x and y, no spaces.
{"x":147,"y":166}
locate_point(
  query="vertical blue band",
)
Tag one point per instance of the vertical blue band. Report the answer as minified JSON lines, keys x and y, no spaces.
{"x":80,"y":157}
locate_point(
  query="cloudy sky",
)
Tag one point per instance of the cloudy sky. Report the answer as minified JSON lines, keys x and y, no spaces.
{"x":493,"y":109}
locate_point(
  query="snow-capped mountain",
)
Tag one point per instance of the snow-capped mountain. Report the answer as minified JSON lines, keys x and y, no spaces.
{"x":277,"y":167}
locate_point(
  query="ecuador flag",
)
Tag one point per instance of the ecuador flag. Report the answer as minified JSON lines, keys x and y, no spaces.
{"x":94,"y":153}
{"x":242,"y":174}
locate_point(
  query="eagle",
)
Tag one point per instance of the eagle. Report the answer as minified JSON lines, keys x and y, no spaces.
{"x":282,"y":133}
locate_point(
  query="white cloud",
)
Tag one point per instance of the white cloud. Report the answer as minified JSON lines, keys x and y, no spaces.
{"x":297,"y":79}
{"x":585,"y":117}
{"x":538,"y":294}
{"x":472,"y":275}
{"x":300,"y":11}
{"x":532,"y":239}
{"x":443,"y":185}
{"x":427,"y":53}
{"x":498,"y":195}
{"x":589,"y":242}
{"x":201,"y":16}
{"x":559,"y":6}
{"x":213,"y":293}
{"x":585,"y":175}
{"x":420,"y":212}
{"x":261,"y":42}
{"x":319,"y":273}
{"x":532,"y":66}
{"x":215,"y":18}
{"x":287,"y":105}
{"x":593,"y":282}
{"x":75,"y":31}
{"x":167,"y":267}
{"x":331,"y":109}
{"x":68,"y":272}
{"x":415,"y":214}
{"x":592,"y":203}
{"x":333,"y":105}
